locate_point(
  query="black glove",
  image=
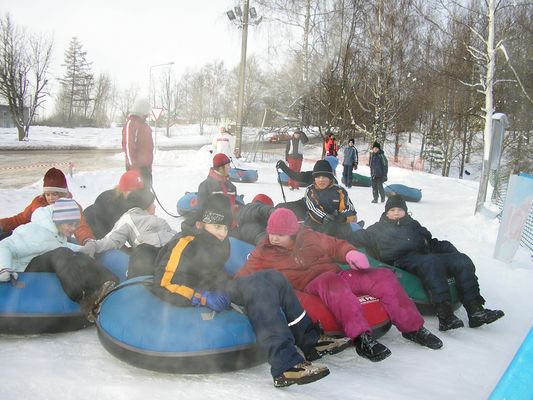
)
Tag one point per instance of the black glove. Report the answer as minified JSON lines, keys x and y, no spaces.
{"x":211,"y":151}
{"x":340,"y":217}
{"x":280,"y":164}
{"x":354,"y":166}
{"x":327,"y":219}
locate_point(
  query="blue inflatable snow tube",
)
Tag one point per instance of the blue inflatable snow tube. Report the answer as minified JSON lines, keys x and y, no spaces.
{"x":138,"y":327}
{"x":408,"y":193}
{"x":243,"y":175}
{"x":517,"y":381}
{"x":187,"y":203}
{"x":36,"y":303}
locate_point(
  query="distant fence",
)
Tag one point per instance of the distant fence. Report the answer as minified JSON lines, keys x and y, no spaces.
{"x":69,"y":164}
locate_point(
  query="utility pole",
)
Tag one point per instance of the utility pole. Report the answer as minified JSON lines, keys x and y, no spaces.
{"x":242,"y":77}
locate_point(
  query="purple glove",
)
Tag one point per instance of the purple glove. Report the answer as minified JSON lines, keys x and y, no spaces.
{"x":216,"y":301}
{"x":357,"y":260}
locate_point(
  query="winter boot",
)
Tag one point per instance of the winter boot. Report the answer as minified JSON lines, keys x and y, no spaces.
{"x":368,"y":347}
{"x":301,"y":374}
{"x":327,"y":345}
{"x":424,"y":338}
{"x":447,"y":319}
{"x":90,"y":305}
{"x":478,"y":315}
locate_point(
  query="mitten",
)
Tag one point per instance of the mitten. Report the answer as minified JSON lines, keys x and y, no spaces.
{"x":7,"y":273}
{"x":88,"y":248}
{"x":357,"y":260}
{"x":279,"y":164}
{"x":216,"y":301}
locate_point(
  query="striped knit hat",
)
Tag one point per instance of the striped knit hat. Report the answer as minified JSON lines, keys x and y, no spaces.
{"x":65,"y":211}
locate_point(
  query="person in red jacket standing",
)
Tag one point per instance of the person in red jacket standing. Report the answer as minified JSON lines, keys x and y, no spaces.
{"x":308,"y":259}
{"x":137,"y":142}
{"x":54,"y":187}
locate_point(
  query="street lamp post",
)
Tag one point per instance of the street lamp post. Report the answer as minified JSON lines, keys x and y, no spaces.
{"x":232,"y":15}
{"x":152,"y":104}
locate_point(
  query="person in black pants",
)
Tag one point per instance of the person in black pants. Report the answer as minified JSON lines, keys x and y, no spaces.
{"x":379,"y":168}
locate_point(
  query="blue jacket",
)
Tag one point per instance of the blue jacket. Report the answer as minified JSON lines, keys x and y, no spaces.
{"x":32,"y":239}
{"x":350,"y":156}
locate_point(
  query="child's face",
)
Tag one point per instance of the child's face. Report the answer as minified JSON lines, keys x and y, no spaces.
{"x":67,"y":230}
{"x":284,"y":241}
{"x":224,"y":170}
{"x":218,"y":231}
{"x":395,"y":213}
{"x":322,"y":182}
{"x":51,"y":197}
{"x":375,"y":149}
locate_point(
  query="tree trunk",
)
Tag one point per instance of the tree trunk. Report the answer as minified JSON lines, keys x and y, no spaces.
{"x":489,"y":106}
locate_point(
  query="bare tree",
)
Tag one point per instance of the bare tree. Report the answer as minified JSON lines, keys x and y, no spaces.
{"x":24,"y":63}
{"x":125,"y":100}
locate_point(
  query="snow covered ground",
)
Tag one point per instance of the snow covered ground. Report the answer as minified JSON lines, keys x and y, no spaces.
{"x":75,"y":365}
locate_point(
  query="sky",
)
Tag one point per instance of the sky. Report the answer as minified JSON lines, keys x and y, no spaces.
{"x":76,"y":365}
{"x":126,"y":38}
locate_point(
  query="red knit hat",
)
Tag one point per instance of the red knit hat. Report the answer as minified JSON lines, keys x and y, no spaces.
{"x":283,"y":222}
{"x":55,"y":181}
{"x":220,"y":159}
{"x":130,"y":181}
{"x":263,"y":198}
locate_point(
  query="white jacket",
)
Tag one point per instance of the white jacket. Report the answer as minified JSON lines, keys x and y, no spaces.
{"x":32,"y":239}
{"x":224,"y":143}
{"x":134,"y":227}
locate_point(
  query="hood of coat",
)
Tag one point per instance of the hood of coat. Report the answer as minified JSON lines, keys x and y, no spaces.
{"x":43,"y":217}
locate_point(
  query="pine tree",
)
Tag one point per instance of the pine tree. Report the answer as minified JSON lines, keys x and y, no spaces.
{"x":76,"y":85}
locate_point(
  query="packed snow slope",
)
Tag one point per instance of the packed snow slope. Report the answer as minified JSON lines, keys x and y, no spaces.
{"x":75,"y":365}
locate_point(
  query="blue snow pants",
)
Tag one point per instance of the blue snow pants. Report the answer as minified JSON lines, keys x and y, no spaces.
{"x":278,"y":319}
{"x":434,"y":270}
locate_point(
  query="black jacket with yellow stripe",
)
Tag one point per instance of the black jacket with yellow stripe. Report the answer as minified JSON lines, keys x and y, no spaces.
{"x":190,"y":263}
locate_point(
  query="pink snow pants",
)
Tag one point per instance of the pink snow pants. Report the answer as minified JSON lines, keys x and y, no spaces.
{"x":339,"y":290}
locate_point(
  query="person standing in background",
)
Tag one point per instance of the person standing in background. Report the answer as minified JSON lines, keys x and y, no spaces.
{"x":224,"y":143}
{"x":137,"y":141}
{"x":379,"y":168}
{"x":330,"y":146}
{"x":350,"y":161}
{"x":294,"y":155}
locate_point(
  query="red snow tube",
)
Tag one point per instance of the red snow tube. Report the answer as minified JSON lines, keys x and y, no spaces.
{"x":373,"y":311}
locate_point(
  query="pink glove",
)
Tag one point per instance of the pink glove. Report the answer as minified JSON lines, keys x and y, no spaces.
{"x":357,"y":260}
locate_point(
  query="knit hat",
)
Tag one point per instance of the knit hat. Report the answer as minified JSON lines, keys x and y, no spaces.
{"x":217,"y":210}
{"x":323,"y":168}
{"x":283,"y":222}
{"x":263,"y":198}
{"x":141,"y":107}
{"x":130,"y":181}
{"x":376,"y":144}
{"x":220,"y":159}
{"x":55,"y":181}
{"x":141,"y":198}
{"x":395,"y":200}
{"x":65,"y":211}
